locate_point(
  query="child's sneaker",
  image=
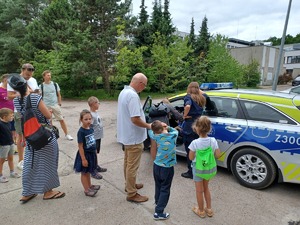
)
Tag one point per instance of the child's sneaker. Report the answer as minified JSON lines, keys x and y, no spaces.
{"x":20,"y":165}
{"x":15,"y":175}
{"x":96,"y":175}
{"x":101,"y":169}
{"x":161,"y":216}
{"x":3,"y":179}
{"x":69,"y":137}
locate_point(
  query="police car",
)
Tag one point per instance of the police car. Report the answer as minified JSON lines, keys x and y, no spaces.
{"x":258,"y":133}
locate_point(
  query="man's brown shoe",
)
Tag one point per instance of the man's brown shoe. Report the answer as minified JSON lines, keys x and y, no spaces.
{"x":137,"y":198}
{"x":137,"y":186}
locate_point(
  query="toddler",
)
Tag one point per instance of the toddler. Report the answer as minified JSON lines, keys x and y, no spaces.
{"x":6,"y":144}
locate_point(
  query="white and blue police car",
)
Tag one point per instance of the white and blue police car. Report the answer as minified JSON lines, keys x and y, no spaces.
{"x":258,"y":133}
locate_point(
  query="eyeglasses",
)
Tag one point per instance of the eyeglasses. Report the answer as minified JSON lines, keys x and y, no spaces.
{"x":30,"y":69}
{"x":144,"y":84}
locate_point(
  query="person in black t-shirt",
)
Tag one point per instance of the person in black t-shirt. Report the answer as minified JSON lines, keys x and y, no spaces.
{"x":6,"y":144}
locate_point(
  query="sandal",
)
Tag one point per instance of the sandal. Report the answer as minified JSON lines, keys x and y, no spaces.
{"x":56,"y":195}
{"x":95,"y":187}
{"x":26,"y":199}
{"x":209,"y":212}
{"x":197,"y":211}
{"x":90,"y":192}
{"x":97,"y":176}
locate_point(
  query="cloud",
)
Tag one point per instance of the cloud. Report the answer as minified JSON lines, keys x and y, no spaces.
{"x":247,"y":20}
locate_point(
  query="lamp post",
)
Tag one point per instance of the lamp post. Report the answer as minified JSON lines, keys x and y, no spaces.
{"x":281,"y":48}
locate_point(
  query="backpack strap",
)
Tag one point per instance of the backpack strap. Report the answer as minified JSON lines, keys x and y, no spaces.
{"x":55,"y":85}
{"x":42,"y":88}
{"x":28,"y":102}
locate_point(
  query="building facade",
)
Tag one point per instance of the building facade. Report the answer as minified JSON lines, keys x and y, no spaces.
{"x":266,"y":56}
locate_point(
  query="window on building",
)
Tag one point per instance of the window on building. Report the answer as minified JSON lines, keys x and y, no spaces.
{"x":293,"y":59}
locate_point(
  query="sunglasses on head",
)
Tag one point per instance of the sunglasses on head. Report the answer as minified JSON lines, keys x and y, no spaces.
{"x":30,"y":69}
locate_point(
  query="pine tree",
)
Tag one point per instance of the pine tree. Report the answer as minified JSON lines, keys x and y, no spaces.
{"x":102,"y":17}
{"x":156,"y":20}
{"x":202,"y":41}
{"x":167,"y":28}
{"x":143,"y":30}
{"x":14,"y":17}
{"x":192,"y":37}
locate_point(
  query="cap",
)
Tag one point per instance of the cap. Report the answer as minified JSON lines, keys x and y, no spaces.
{"x":16,"y":81}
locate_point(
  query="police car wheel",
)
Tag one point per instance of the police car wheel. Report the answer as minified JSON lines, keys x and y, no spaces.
{"x":253,"y":168}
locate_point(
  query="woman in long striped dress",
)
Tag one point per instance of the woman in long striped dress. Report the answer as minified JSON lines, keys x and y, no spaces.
{"x":40,"y":174}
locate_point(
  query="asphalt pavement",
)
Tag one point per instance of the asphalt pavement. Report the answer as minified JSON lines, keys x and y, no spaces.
{"x":233,"y":204}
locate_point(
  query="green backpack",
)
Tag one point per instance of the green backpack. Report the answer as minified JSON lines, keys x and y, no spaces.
{"x":206,"y":165}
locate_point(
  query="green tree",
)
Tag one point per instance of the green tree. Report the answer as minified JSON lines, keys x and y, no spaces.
{"x":57,"y":23}
{"x":167,"y":28}
{"x":251,"y":74}
{"x":102,"y":18}
{"x":15,"y":15}
{"x":222,"y":66}
{"x":192,"y":37}
{"x":167,"y":73}
{"x":156,"y":18}
{"x":202,"y":41}
{"x":143,"y":31}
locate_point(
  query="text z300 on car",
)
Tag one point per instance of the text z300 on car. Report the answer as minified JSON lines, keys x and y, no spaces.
{"x":258,"y":133}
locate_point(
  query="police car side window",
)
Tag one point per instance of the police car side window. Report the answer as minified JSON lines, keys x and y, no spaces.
{"x":225,"y":107}
{"x":261,"y":112}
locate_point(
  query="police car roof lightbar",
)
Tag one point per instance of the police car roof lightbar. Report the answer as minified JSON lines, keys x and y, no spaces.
{"x":216,"y":86}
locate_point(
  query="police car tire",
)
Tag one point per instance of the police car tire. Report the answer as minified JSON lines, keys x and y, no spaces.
{"x":270,"y":165}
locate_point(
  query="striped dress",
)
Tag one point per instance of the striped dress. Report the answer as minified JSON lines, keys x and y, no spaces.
{"x":40,"y":170}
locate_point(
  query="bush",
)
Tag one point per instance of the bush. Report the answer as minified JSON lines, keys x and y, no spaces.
{"x":284,"y":78}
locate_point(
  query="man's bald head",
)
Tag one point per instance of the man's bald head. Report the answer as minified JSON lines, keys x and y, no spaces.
{"x":139,"y":82}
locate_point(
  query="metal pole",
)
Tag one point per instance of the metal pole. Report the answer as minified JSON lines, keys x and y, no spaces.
{"x":281,"y":48}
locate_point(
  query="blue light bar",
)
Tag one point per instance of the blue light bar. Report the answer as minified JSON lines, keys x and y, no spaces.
{"x":215,"y":86}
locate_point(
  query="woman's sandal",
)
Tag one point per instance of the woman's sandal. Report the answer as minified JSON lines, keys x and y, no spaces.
{"x":55,"y":195}
{"x":209,"y":212}
{"x":26,"y":199}
{"x":197,"y":211}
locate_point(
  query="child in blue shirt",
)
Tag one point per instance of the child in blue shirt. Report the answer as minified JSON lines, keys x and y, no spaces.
{"x":86,"y":158}
{"x":163,"y":152}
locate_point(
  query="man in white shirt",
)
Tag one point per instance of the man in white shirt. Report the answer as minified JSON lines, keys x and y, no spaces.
{"x":52,"y":99}
{"x":27,"y":73}
{"x":131,"y":133}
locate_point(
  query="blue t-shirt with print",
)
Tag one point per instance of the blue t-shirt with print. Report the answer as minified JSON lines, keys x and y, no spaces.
{"x":166,"y":147}
{"x":86,"y":136}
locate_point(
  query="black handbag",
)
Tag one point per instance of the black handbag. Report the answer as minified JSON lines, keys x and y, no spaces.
{"x":34,"y":132}
{"x":53,"y":129}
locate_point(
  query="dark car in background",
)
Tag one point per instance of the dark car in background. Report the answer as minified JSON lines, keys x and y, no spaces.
{"x":296,"y":81}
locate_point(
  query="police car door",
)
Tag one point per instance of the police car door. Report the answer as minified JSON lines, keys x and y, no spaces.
{"x":228,"y":124}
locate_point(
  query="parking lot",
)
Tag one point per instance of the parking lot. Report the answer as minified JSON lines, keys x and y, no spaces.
{"x":233,"y":204}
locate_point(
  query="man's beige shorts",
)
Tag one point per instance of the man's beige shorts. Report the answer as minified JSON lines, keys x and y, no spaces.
{"x":56,"y":112}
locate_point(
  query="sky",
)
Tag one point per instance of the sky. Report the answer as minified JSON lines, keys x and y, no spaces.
{"x":242,"y":19}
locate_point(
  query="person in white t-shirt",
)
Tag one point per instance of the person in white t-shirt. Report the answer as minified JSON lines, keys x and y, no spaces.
{"x":131,"y":133}
{"x":27,"y":73}
{"x":52,"y":98}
